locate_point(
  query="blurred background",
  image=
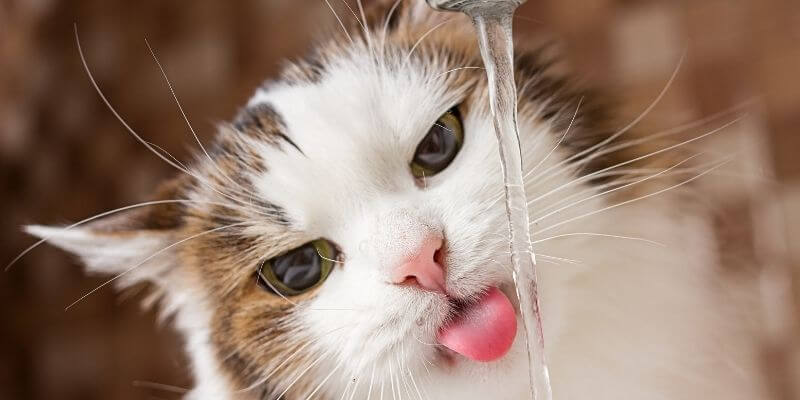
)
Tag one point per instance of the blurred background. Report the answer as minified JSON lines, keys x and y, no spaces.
{"x":63,"y":155}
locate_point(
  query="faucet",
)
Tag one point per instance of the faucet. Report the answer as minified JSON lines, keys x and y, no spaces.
{"x":470,"y":6}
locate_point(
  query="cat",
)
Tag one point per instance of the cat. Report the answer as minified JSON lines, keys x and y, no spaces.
{"x":345,"y":236}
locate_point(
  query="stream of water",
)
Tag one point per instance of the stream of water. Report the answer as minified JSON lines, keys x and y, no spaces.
{"x":493,"y":24}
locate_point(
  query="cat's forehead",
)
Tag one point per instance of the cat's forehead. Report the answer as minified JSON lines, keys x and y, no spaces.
{"x":352,"y":131}
{"x":387,"y":93}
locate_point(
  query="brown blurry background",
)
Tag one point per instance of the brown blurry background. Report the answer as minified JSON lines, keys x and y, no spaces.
{"x":63,"y":156}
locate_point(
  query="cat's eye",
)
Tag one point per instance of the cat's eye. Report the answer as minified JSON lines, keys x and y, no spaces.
{"x":439,"y":147}
{"x":298,"y":270}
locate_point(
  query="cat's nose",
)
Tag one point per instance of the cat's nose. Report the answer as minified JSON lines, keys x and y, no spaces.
{"x":424,"y":268}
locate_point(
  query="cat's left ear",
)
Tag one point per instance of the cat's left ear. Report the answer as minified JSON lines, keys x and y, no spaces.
{"x":134,"y":243}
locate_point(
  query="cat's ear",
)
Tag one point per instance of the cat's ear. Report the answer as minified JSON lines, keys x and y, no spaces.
{"x":134,"y":242}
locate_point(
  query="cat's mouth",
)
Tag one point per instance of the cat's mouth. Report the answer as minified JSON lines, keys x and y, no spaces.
{"x":481,"y":330}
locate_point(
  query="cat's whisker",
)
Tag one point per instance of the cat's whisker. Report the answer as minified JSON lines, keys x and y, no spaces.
{"x":301,"y":374}
{"x":171,"y":157}
{"x":421,"y":38}
{"x":96,"y":217}
{"x":424,"y":343}
{"x":612,"y":190}
{"x":391,"y":384}
{"x":347,"y":388}
{"x":358,"y":20}
{"x":698,"y":176}
{"x":384,"y":29}
{"x":414,"y":382}
{"x":595,"y":234}
{"x":560,"y":140}
{"x":566,"y":260}
{"x":549,"y":262}
{"x":635,"y":142}
{"x":127,"y":271}
{"x":184,"y":116}
{"x":636,"y":120}
{"x":355,"y":388}
{"x":159,"y":386}
{"x":639,"y":158}
{"x":254,"y":342}
{"x":649,"y":138}
{"x":371,"y":381}
{"x":286,"y":360}
{"x":113,"y":110}
{"x":319,"y":386}
{"x":352,"y":386}
{"x":329,"y":259}
{"x":341,"y":24}
{"x":454,"y":70}
{"x":499,"y":194}
{"x":395,"y":376}
{"x":627,"y":177}
{"x":130,"y":130}
{"x":400,"y":374}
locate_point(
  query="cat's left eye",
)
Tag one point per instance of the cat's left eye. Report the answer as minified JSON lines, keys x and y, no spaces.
{"x":440,"y":146}
{"x":298,"y":270}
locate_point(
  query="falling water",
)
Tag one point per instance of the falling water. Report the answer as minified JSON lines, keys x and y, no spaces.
{"x":492,"y":19}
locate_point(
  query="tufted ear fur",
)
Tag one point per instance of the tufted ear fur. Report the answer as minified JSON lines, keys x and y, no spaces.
{"x":133,"y":244}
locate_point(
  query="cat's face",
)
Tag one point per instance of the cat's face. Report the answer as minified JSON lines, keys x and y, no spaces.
{"x":349,"y":216}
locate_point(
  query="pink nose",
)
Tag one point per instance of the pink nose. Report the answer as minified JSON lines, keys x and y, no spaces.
{"x":424,"y":268}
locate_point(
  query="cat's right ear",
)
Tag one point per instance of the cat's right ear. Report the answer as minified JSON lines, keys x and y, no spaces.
{"x":134,"y":244}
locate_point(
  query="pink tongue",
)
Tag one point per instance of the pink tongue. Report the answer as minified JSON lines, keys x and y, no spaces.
{"x":484,"y":331}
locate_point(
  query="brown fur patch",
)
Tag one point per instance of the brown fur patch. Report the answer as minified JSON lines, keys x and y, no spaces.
{"x":234,"y":232}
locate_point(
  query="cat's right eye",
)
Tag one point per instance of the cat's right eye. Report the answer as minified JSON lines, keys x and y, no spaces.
{"x":299,"y":270}
{"x":440,"y":146}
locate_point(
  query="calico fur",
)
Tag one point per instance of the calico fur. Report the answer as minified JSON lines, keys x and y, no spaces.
{"x":323,"y":151}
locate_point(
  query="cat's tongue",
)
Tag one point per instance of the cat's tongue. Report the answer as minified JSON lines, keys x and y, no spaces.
{"x":484,"y":331}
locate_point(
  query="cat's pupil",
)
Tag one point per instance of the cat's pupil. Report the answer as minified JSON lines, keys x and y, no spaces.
{"x":299,"y":269}
{"x":437,"y":149}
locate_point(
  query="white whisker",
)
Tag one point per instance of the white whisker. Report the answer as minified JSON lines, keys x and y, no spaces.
{"x":183,"y":114}
{"x":633,"y":200}
{"x":95,"y":217}
{"x":635,"y":121}
{"x":642,"y":157}
{"x":603,"y":193}
{"x":150,"y":258}
{"x":566,"y":132}
{"x":340,"y":21}
{"x":113,"y":110}
{"x":454,"y":70}
{"x":596,"y":234}
{"x":319,"y":386}
{"x":301,"y":374}
{"x":421,"y":38}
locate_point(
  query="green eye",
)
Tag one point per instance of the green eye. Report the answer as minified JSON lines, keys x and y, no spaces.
{"x":298,"y":270}
{"x":439,"y":147}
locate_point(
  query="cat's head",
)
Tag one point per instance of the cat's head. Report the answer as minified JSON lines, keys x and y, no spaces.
{"x":349,"y":213}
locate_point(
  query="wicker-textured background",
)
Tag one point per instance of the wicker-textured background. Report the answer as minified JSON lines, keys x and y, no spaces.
{"x":63,"y":156}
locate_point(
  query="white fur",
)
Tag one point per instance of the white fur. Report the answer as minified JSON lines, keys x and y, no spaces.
{"x":631,"y":320}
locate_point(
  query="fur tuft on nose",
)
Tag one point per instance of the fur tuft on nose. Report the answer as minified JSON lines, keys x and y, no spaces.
{"x":424,"y":269}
